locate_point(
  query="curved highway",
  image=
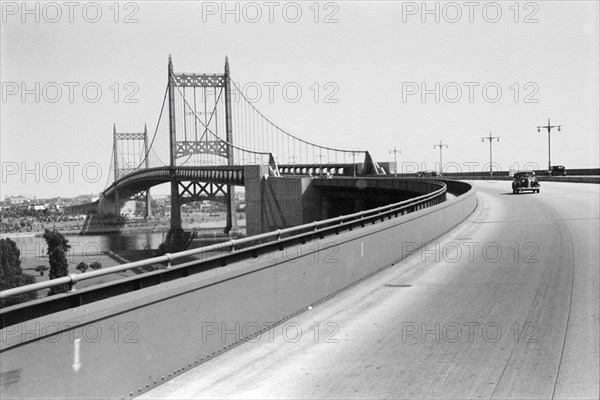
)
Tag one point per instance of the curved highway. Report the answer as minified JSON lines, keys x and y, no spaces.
{"x":504,"y":306}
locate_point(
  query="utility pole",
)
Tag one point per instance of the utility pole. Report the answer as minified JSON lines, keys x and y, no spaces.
{"x":549,"y":128}
{"x":395,"y":161}
{"x":490,"y":138}
{"x":441,"y":145}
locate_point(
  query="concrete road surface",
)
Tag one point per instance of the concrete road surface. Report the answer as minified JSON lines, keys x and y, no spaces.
{"x":504,"y":306}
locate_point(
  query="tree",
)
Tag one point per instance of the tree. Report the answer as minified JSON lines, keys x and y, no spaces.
{"x":82,"y":266}
{"x":11,"y":273}
{"x":96,"y":265}
{"x":176,"y":240}
{"x":59,"y":267}
{"x":41,"y":269}
{"x":55,"y":239}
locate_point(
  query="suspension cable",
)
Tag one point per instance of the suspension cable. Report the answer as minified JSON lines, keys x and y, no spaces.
{"x":157,"y":125}
{"x":283,"y":130}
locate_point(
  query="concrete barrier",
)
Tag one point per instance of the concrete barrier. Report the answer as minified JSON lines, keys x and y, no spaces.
{"x":541,"y":178}
{"x":570,"y":172}
{"x":123,"y":346}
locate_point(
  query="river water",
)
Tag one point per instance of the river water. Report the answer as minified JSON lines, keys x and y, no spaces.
{"x":86,"y":248}
{"x":92,"y":248}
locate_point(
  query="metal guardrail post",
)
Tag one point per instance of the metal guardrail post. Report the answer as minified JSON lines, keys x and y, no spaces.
{"x":169,"y":258}
{"x":74,"y":279}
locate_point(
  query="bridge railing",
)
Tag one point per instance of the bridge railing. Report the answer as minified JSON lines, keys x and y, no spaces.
{"x":249,"y":246}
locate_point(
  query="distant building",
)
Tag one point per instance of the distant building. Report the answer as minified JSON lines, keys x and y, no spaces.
{"x":16,"y":200}
{"x":83,"y":198}
{"x":240,"y":196}
{"x":129,"y":208}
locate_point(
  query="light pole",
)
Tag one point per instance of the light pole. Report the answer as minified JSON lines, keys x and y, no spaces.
{"x":395,"y":161}
{"x":320,"y":165}
{"x":490,"y":138}
{"x":441,"y":145}
{"x":354,"y":163}
{"x":293,"y":162}
{"x":549,"y":128}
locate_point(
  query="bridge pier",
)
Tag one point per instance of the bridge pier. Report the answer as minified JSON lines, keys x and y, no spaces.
{"x":117,"y":209}
{"x":107,"y":205}
{"x":231,"y":225}
{"x":175,"y":204}
{"x":148,"y":205}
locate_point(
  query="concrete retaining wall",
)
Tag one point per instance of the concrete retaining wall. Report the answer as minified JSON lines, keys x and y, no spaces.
{"x":123,"y":346}
{"x":281,"y":202}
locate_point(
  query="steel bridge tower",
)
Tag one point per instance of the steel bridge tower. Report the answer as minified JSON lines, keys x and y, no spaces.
{"x":131,"y":142}
{"x":220,"y":148}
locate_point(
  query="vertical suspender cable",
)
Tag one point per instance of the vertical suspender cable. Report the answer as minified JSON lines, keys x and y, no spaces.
{"x":184,"y":120}
{"x":195,"y":120}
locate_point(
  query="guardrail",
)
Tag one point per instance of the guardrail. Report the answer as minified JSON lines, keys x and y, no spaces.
{"x":73,"y":278}
{"x":250,"y":246}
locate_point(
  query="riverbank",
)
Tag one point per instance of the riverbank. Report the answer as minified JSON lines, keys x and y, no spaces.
{"x":190,"y":222}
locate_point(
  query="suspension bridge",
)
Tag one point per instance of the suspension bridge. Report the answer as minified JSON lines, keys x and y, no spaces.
{"x":209,"y":137}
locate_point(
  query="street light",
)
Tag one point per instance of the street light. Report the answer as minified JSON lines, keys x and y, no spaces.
{"x":395,"y":161}
{"x":320,"y":156}
{"x":354,"y":162}
{"x":441,"y":145}
{"x":549,"y":128}
{"x":490,"y":138}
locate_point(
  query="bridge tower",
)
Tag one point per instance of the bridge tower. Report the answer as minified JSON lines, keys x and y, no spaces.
{"x":130,"y":147}
{"x":230,"y":196}
{"x":179,"y":148}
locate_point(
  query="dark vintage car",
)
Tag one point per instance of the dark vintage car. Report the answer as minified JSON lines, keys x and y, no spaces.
{"x":427,"y":173}
{"x":524,"y":181}
{"x":558,"y":170}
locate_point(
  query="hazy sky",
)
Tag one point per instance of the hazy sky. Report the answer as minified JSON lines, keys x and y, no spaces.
{"x":503,"y":67}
